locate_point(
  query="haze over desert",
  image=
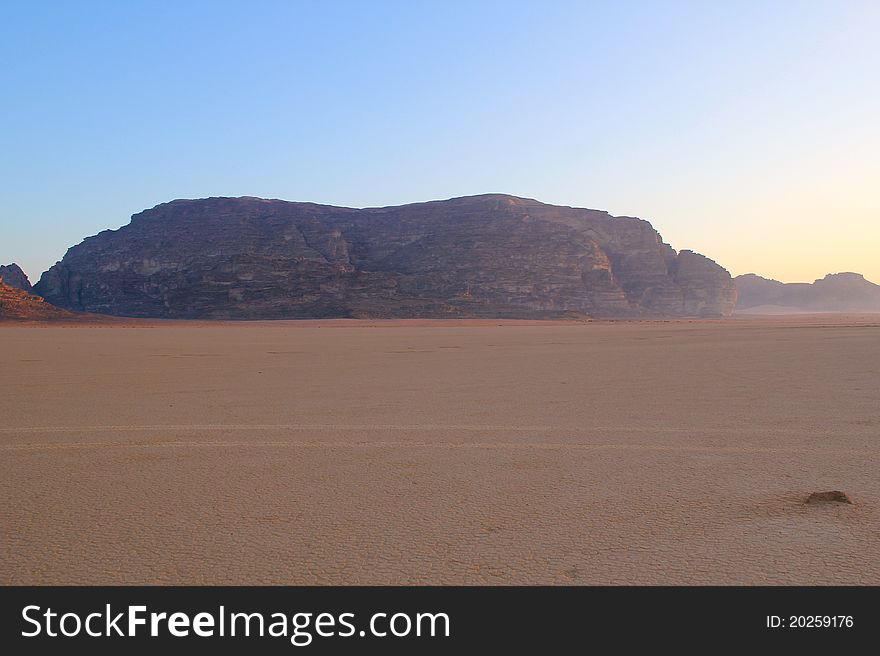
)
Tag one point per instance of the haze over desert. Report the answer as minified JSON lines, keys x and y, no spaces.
{"x":429,"y":452}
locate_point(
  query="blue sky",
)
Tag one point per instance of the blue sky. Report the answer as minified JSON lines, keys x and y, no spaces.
{"x":747,"y":131}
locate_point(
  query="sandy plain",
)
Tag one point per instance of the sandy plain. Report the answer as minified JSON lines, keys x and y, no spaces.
{"x":342,"y":452}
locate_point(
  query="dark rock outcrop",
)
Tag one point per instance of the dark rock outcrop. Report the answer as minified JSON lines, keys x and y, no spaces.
{"x":13,"y":276}
{"x":832,"y":496}
{"x":837,"y":292}
{"x":478,"y":256}
{"x":20,"y":305}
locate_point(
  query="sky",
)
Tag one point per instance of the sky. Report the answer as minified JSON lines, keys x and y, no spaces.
{"x":747,"y":131}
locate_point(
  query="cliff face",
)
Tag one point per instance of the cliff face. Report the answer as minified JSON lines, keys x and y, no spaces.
{"x":703,"y":284}
{"x":836,"y":292}
{"x":479,"y":256}
{"x":13,"y":276}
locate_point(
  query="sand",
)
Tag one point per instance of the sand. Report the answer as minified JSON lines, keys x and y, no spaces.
{"x":341,"y":452}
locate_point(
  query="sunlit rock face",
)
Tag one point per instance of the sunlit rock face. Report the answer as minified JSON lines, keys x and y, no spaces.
{"x":17,"y":304}
{"x":478,"y":256}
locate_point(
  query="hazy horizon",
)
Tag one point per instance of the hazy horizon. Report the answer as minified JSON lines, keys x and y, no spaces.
{"x":747,"y":133}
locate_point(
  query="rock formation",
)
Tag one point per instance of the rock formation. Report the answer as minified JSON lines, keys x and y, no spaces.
{"x":18,"y":304}
{"x":837,"y":292}
{"x":477,"y":256}
{"x":14,"y":277}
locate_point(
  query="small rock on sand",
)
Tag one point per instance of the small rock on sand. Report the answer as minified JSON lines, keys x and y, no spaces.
{"x":834,"y":496}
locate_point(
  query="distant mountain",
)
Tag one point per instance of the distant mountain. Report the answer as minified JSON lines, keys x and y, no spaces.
{"x":836,"y":292}
{"x":478,"y":256}
{"x":18,"y":304}
{"x":14,"y":277}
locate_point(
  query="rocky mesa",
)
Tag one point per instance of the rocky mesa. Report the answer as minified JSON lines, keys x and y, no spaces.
{"x":478,"y":256}
{"x":836,"y":292}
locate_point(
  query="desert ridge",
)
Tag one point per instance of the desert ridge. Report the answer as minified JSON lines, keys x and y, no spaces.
{"x":19,"y":305}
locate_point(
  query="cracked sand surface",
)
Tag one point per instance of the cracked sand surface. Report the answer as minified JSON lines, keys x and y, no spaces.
{"x":424,"y":452}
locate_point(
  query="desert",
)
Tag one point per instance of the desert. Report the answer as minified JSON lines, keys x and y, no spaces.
{"x":521,"y":324}
{"x":440,"y":452}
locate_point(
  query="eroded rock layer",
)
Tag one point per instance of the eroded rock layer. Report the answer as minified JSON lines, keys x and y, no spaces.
{"x":17,"y":304}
